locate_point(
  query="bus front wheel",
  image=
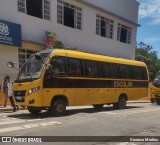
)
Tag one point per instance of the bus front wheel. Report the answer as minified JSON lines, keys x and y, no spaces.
{"x":33,"y":110}
{"x":58,"y":108}
{"x":121,"y":103}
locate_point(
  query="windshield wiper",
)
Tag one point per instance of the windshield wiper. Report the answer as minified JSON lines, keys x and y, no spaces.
{"x":30,"y":76}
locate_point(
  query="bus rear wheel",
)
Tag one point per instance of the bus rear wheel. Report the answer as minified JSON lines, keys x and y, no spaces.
{"x":121,"y":103}
{"x":158,"y":101}
{"x":58,"y":108}
{"x":98,"y":107}
{"x":34,"y":110}
{"x":152,"y":100}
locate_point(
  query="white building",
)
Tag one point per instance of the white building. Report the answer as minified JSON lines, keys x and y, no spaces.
{"x":105,"y":27}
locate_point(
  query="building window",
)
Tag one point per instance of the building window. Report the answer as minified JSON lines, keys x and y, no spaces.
{"x":24,"y":54}
{"x":22,"y":6}
{"x":46,"y":9}
{"x":36,"y":8}
{"x":69,"y":15}
{"x":104,"y":27}
{"x":124,"y":33}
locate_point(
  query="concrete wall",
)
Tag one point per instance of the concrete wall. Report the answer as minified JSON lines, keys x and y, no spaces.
{"x":127,"y":9}
{"x":7,"y":53}
{"x":34,"y":28}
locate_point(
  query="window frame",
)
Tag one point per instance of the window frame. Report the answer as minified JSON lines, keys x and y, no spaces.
{"x":109,"y":26}
{"x":26,"y":54}
{"x":105,"y":70}
{"x":128,"y":34}
{"x":20,"y":7}
{"x":44,"y":16}
{"x":77,"y":11}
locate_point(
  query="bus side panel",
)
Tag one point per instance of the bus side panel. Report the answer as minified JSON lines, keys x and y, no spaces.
{"x":81,"y":96}
{"x":98,"y":96}
{"x":50,"y":93}
{"x":135,"y":93}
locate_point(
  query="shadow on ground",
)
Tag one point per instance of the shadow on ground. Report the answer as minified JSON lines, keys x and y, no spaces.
{"x":70,"y":112}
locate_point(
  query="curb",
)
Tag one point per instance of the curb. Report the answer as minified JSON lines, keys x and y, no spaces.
{"x":5,"y":109}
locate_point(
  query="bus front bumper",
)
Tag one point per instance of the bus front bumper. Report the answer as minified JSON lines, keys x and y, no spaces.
{"x":22,"y":98}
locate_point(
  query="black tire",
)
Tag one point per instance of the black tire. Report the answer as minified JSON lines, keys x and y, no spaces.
{"x":152,"y":100}
{"x":158,"y":101}
{"x":121,"y":103}
{"x":34,"y":110}
{"x":58,"y":108}
{"x":98,"y":107}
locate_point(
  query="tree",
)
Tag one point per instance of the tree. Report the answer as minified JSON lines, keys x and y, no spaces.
{"x":144,"y":53}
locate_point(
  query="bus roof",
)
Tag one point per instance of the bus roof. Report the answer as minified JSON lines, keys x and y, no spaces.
{"x":92,"y":56}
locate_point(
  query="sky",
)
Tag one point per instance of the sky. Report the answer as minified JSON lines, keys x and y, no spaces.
{"x":149,"y":19}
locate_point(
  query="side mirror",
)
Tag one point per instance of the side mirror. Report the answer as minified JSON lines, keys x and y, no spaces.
{"x":38,"y":56}
{"x":10,"y":64}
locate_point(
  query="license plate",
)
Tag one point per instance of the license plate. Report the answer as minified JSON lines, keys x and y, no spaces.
{"x":19,"y":98}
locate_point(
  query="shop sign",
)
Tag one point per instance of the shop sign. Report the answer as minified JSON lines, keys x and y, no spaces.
{"x":10,"y":34}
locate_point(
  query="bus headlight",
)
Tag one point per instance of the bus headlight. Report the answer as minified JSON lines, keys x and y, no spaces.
{"x":33,"y":90}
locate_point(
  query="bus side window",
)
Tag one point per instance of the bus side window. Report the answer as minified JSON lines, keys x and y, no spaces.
{"x":143,"y":73}
{"x":124,"y":72}
{"x":145,"y":77}
{"x":74,"y":67}
{"x":107,"y":70}
{"x":130,"y":72}
{"x":90,"y":68}
{"x":87,"y":69}
{"x":137,"y":73}
{"x":58,"y":67}
{"x":100,"y":70}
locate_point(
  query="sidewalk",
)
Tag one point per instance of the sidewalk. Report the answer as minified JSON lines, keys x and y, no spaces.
{"x":8,"y":109}
{"x":4,"y":109}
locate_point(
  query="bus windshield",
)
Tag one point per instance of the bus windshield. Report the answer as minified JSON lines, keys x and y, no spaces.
{"x":33,"y":68}
{"x":157,"y":79}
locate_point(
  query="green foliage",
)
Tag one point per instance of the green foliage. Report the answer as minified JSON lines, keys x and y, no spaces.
{"x":144,"y":53}
{"x":58,"y":44}
{"x":72,"y":48}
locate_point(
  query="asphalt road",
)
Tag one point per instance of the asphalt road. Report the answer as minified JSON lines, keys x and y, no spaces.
{"x":139,"y":119}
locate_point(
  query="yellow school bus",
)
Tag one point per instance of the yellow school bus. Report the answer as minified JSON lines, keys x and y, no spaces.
{"x":56,"y":78}
{"x":155,"y":90}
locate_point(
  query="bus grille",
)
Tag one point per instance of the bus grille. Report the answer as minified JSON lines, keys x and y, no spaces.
{"x":19,"y":96}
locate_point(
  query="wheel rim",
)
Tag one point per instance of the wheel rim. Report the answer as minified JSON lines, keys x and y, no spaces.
{"x":59,"y":108}
{"x":122,"y":103}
